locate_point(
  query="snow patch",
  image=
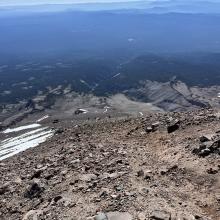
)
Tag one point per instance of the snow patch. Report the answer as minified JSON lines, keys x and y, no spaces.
{"x":106,"y":109}
{"x":141,"y":113}
{"x":21,"y":128}
{"x":83,"y":110}
{"x":15,"y":145}
{"x":43,"y":118}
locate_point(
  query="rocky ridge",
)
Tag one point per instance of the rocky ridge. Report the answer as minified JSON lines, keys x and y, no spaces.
{"x":163,"y":166}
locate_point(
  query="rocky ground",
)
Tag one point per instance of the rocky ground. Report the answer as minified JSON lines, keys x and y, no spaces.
{"x":163,"y":166}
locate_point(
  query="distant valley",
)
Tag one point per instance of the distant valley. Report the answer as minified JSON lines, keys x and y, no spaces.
{"x":108,"y":57}
{"x":163,"y":83}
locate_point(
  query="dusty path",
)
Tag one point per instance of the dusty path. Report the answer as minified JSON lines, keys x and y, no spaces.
{"x":116,"y":166}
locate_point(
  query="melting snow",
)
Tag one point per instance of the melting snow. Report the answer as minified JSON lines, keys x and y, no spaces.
{"x":22,"y":142}
{"x":106,"y":109}
{"x":21,"y":128}
{"x":43,"y":118}
{"x":83,"y":110}
{"x":141,"y":113}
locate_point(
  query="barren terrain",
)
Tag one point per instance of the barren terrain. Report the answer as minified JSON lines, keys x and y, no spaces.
{"x":160,"y":166}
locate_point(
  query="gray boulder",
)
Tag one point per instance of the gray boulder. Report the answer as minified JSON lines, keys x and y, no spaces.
{"x":113,"y":216}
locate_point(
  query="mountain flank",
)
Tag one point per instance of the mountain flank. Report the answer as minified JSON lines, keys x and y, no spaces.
{"x":160,"y":166}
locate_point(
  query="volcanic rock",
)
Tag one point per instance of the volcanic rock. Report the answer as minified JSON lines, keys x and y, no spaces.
{"x":173,"y":126}
{"x":34,"y":190}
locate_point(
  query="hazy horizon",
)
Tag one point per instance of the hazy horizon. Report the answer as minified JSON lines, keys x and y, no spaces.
{"x":5,"y":3}
{"x":42,"y":2}
{"x":15,"y":7}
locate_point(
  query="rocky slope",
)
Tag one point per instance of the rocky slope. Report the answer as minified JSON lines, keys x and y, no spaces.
{"x":162,"y":166}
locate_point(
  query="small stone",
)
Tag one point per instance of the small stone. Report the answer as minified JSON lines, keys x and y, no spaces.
{"x":204,"y":149}
{"x":164,"y":171}
{"x":141,"y":216}
{"x":71,"y":151}
{"x":88,"y":177}
{"x":4,"y":189}
{"x":129,"y":193}
{"x":97,"y":200}
{"x":59,"y":131}
{"x":204,"y":152}
{"x":119,"y":188}
{"x":34,"y":190}
{"x":148,"y":129}
{"x":145,"y":190}
{"x":160,"y":215}
{"x":197,"y":217}
{"x":101,"y":216}
{"x":2,"y":164}
{"x":55,"y":121}
{"x":212,"y":170}
{"x":113,"y":175}
{"x":155,"y":124}
{"x":37,"y":174}
{"x":75,"y":161}
{"x":144,"y":173}
{"x":140,"y":173}
{"x":39,"y":166}
{"x":114,"y":196}
{"x":18,"y":180}
{"x":173,"y":126}
{"x":57,"y":198}
{"x":119,"y":216}
{"x":81,"y":187}
{"x":217,"y":196}
{"x":182,"y":216}
{"x":64,"y":172}
{"x":33,"y":214}
{"x":206,"y":138}
{"x":104,"y":192}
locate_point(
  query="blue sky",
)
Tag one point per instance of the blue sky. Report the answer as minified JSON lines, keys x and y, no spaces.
{"x":37,"y":2}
